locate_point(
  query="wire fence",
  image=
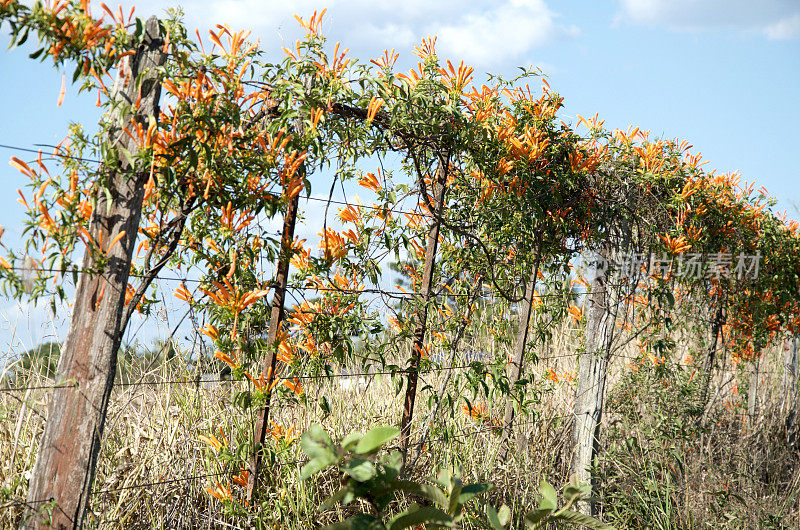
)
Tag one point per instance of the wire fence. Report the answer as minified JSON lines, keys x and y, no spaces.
{"x":568,"y":295}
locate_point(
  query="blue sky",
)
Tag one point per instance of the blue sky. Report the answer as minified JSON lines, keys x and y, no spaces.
{"x":724,"y":75}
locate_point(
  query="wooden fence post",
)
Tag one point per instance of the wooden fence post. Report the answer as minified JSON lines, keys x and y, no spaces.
{"x":275,"y":321}
{"x":791,"y":368}
{"x":70,"y":445}
{"x":421,"y":318}
{"x":592,"y":371}
{"x":515,"y":367}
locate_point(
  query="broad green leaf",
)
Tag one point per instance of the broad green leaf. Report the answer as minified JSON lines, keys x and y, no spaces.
{"x":315,"y":466}
{"x":316,"y":443}
{"x":420,"y":515}
{"x":471,"y":490}
{"x":494,"y":518}
{"x":360,"y":469}
{"x":455,"y":495}
{"x":428,"y":491}
{"x":375,"y":439}
{"x":535,"y":517}
{"x":504,"y":514}
{"x":548,"y":500}
{"x":361,"y":521}
{"x":582,"y":519}
{"x":351,"y":440}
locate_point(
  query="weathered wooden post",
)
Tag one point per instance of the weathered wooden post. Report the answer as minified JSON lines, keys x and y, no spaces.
{"x":275,"y":321}
{"x":70,"y":445}
{"x":791,"y":369}
{"x":601,"y":313}
{"x":515,"y":367}
{"x":421,"y":317}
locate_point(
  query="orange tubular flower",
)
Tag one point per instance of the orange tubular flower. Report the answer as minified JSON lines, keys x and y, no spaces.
{"x":294,"y":386}
{"x":210,"y":331}
{"x":333,"y":244}
{"x":314,"y":23}
{"x":241,"y":478}
{"x":374,"y":106}
{"x":261,"y":382}
{"x":351,"y":214}
{"x":575,"y":312}
{"x":213,"y":441}
{"x":280,"y":433}
{"x":182,"y":293}
{"x":456,"y":80}
{"x":476,"y":411}
{"x":224,"y":357}
{"x":370,"y":181}
{"x":223,"y":493}
{"x":676,"y":245}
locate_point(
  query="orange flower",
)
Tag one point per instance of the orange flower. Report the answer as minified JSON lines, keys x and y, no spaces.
{"x":475,"y":411}
{"x":213,"y":441}
{"x":285,"y":353}
{"x":241,"y":478}
{"x":314,"y":24}
{"x":224,"y":357}
{"x":210,"y":331}
{"x":350,"y":214}
{"x":295,"y":386}
{"x":456,"y":80}
{"x":575,"y":312}
{"x":333,"y":244}
{"x":280,"y":433}
{"x":223,"y":493}
{"x":580,"y":280}
{"x":374,"y":106}
{"x":261,"y":382}
{"x":182,"y":293}
{"x":675,"y":245}
{"x":370,"y":181}
{"x":551,"y":375}
{"x":232,"y":298}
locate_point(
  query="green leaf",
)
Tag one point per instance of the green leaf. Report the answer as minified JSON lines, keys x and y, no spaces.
{"x":582,"y":519}
{"x":360,"y":469}
{"x":345,"y":495}
{"x":504,"y":514}
{"x":350,"y":440}
{"x":324,"y":405}
{"x":319,"y":447}
{"x":315,"y":442}
{"x":535,"y":517}
{"x":572,"y":494}
{"x":455,"y":495}
{"x":494,"y":517}
{"x":315,"y":466}
{"x":428,"y":491}
{"x":420,"y":515}
{"x":375,"y":438}
{"x":548,"y":500}
{"x":361,"y":521}
{"x":471,"y":490}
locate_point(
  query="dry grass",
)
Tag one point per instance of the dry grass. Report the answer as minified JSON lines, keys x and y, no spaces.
{"x":152,"y":445}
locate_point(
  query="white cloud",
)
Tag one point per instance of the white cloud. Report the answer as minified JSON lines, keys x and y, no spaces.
{"x":778,"y":19}
{"x":483,"y":32}
{"x":786,"y":29}
{"x":504,"y":33}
